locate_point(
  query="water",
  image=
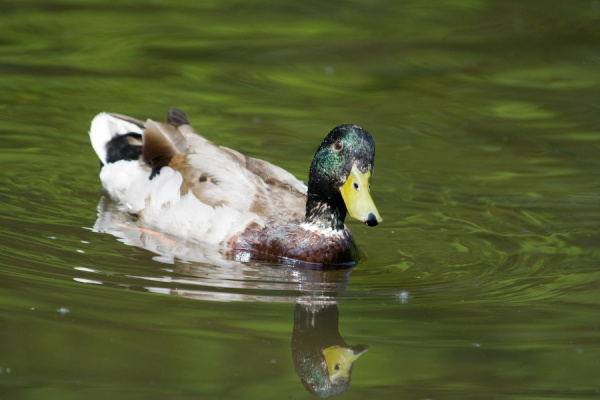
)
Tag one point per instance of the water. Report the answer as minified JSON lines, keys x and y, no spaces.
{"x":481,"y":283}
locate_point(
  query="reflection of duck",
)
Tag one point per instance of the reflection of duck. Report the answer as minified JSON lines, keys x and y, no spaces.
{"x":181,"y":184}
{"x":323,"y":360}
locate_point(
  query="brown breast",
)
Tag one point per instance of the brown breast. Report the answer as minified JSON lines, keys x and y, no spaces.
{"x":295,"y":243}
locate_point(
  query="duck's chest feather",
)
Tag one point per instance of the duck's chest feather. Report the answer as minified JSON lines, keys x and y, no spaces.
{"x":301,"y":242}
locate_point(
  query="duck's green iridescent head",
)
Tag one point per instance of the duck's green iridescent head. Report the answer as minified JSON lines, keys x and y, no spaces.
{"x":341,"y":171}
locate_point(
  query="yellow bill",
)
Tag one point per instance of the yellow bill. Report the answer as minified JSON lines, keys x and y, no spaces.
{"x":339,"y":361}
{"x":359,"y":203}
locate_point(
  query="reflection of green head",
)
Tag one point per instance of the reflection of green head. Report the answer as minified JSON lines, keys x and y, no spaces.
{"x":323,"y":361}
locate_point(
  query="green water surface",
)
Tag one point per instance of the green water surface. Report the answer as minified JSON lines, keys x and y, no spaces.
{"x":482,"y":282}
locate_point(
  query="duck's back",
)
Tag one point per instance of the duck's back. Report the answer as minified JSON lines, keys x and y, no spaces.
{"x":180,"y":183}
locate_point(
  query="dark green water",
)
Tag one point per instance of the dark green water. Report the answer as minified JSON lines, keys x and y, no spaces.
{"x":482,"y":282}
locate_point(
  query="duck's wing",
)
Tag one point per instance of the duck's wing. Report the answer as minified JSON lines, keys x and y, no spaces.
{"x":280,"y":197}
{"x":286,"y":196}
{"x":276,"y":195}
{"x":207,"y":171}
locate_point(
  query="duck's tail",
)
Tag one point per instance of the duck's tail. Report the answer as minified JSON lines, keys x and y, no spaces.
{"x":116,"y":137}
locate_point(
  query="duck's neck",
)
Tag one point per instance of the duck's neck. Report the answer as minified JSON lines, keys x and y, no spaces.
{"x":325,"y":213}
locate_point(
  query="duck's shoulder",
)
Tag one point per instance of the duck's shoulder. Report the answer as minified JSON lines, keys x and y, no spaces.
{"x":298,"y":241}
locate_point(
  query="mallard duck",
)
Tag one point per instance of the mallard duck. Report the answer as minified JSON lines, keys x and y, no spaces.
{"x":179,"y":183}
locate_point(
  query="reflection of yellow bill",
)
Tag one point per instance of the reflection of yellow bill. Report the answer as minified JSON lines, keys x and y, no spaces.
{"x":359,"y":203}
{"x":339,"y":361}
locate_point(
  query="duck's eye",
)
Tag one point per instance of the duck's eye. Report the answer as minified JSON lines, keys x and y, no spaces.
{"x":338,"y":145}
{"x":336,"y":367}
{"x":355,"y":186}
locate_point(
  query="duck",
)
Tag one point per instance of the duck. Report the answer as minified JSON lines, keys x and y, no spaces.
{"x":176,"y":182}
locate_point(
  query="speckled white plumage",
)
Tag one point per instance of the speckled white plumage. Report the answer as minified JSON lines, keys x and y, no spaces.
{"x":175,"y":201}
